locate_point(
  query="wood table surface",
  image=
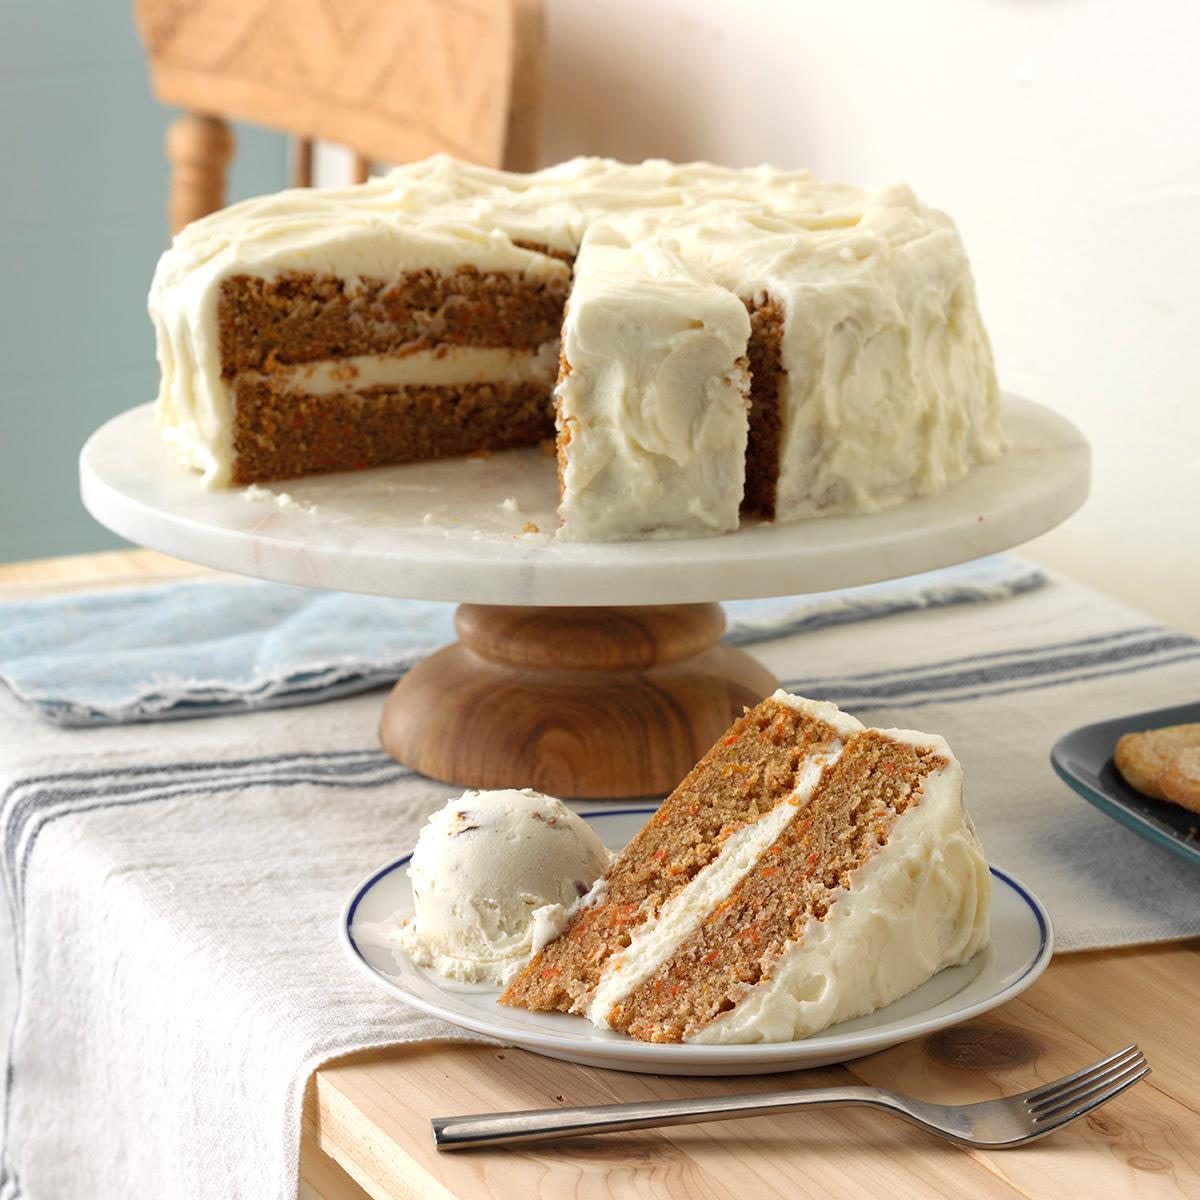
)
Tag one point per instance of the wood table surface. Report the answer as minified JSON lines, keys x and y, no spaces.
{"x":366,"y":1123}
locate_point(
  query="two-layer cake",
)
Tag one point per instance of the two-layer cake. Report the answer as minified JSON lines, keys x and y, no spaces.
{"x":703,"y":343}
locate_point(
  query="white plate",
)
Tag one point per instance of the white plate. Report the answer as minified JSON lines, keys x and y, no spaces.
{"x":1021,"y":945}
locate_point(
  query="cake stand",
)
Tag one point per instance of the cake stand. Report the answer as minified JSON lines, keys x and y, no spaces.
{"x":581,"y":670}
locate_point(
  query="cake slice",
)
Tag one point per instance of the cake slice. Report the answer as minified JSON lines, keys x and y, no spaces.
{"x":808,"y":870}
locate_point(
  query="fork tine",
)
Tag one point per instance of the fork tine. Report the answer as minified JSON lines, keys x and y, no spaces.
{"x":1067,"y":1110}
{"x":1060,"y":1095}
{"x":1067,"y":1096}
{"x":1055,"y":1087}
{"x":1067,"y":1116}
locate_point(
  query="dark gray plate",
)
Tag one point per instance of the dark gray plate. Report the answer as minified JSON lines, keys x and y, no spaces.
{"x":1083,"y":758}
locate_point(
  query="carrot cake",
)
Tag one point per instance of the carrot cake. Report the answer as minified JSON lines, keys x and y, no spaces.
{"x":807,"y":871}
{"x":704,"y":343}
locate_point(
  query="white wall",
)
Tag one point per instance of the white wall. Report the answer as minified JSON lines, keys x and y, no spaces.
{"x":1063,"y":136}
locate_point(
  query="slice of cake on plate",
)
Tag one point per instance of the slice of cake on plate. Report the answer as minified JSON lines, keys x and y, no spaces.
{"x":807,"y":871}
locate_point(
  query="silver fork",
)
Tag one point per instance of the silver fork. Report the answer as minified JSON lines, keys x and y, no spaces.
{"x":994,"y":1124}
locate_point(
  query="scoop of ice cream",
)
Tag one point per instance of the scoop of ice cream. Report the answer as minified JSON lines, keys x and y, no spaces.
{"x":496,"y":875}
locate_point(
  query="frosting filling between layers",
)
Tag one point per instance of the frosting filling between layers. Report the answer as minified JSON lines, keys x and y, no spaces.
{"x":439,"y":367}
{"x":658,"y":939}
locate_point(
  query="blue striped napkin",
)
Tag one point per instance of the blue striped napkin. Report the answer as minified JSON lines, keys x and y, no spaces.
{"x":204,"y":647}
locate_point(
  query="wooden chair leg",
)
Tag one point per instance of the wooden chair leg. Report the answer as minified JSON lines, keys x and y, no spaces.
{"x":362,"y":168}
{"x":199,"y":149}
{"x":302,"y":162}
{"x":522,"y":137}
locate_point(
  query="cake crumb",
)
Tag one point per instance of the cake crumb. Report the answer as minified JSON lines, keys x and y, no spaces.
{"x":279,"y":499}
{"x":287,"y":500}
{"x":480,"y":455}
{"x":427,"y":519}
{"x":509,"y":504}
{"x":529,"y":527}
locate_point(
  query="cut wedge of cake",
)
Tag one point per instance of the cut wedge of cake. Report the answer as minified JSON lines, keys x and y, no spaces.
{"x":808,"y":870}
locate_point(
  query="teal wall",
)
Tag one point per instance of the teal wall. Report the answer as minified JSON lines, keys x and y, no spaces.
{"x":82,"y":222}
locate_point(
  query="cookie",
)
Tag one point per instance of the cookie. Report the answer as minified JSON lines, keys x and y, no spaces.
{"x":1143,"y":757}
{"x":1180,"y":780}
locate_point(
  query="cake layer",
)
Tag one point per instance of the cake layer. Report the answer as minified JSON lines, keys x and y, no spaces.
{"x":745,"y":776}
{"x":282,"y":434}
{"x":767,"y":381}
{"x":298,"y":318}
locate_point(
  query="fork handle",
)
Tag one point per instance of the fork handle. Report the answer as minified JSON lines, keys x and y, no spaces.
{"x":544,"y":1124}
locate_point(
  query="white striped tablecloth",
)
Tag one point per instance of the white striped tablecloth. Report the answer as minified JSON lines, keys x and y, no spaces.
{"x":174,"y":890}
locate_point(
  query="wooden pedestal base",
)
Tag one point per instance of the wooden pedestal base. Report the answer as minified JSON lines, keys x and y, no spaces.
{"x":577,"y":702}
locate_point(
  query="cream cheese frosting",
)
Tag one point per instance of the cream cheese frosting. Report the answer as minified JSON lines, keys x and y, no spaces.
{"x":889,"y":390}
{"x":427,"y":368}
{"x":652,"y":400}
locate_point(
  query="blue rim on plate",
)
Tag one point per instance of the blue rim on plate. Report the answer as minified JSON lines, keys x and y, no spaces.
{"x":1083,"y":760}
{"x":991,"y":984}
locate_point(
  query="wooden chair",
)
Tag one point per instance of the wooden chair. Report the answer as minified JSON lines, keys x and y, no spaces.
{"x":393,"y":80}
